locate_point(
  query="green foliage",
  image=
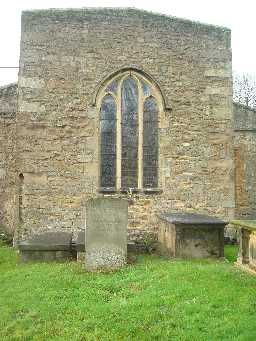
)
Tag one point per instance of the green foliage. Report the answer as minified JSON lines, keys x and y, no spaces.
{"x":149,"y":242}
{"x":5,"y":237}
{"x":153,"y":299}
{"x":231,"y":252}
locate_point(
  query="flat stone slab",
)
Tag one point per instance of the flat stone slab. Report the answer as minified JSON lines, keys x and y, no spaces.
{"x":106,"y":233}
{"x":48,"y":241}
{"x":191,"y":219}
{"x":246,"y":224}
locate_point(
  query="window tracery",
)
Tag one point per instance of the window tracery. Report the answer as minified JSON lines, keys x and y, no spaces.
{"x":129,"y":115}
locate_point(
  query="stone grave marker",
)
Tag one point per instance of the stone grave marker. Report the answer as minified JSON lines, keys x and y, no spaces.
{"x":190,"y":235}
{"x":106,"y":233}
{"x":47,"y":246}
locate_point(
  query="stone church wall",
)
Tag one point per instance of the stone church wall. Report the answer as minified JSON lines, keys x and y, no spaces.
{"x":8,"y":205}
{"x":245,"y":161}
{"x":65,"y":55}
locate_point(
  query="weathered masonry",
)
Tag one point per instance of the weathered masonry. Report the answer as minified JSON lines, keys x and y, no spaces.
{"x":121,"y":103}
{"x":245,"y":161}
{"x":8,"y":172}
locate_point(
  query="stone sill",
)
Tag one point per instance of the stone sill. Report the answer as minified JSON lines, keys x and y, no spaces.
{"x":147,"y":191}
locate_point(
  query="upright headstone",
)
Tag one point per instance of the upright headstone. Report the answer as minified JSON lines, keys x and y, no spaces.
{"x":106,"y":233}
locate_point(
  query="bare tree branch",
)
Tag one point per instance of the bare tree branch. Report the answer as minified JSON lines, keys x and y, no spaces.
{"x":244,"y":89}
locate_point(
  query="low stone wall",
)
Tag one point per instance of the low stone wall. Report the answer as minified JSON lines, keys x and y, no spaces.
{"x":8,"y":205}
{"x":247,"y":245}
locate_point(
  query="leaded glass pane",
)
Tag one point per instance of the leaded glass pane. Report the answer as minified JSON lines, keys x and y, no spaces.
{"x":129,"y":114}
{"x":108,"y":142}
{"x":150,"y":143}
{"x":146,"y":89}
{"x":112,"y":87}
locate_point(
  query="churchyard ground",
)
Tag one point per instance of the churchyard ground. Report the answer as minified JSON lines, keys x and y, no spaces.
{"x":151,"y":299}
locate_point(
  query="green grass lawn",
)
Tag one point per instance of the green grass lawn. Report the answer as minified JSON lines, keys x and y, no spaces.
{"x":153,"y":299}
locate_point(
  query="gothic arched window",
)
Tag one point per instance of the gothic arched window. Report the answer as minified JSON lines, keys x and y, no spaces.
{"x":129,"y":114}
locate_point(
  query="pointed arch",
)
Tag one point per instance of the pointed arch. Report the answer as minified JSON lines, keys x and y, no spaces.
{"x":130,"y":106}
{"x":119,"y":72}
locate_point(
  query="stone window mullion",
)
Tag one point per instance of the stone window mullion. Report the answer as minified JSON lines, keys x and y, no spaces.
{"x":118,"y":137}
{"x":140,"y":142}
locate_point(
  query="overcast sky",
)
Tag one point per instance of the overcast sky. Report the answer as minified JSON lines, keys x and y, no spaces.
{"x":238,"y":15}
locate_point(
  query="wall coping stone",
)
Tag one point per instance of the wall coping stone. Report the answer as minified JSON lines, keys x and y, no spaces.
{"x":123,"y":11}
